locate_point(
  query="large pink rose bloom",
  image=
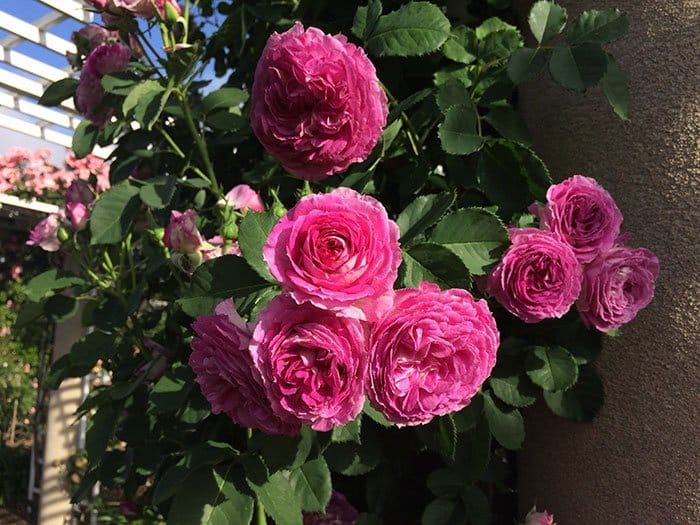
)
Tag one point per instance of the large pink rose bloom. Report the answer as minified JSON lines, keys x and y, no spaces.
{"x":616,"y":286}
{"x":316,"y":104}
{"x":45,"y":234}
{"x":338,"y":251}
{"x":313,"y":363}
{"x":339,"y":511}
{"x":538,"y":278}
{"x":224,"y":368}
{"x":583,"y":214}
{"x":104,"y":60}
{"x":430,"y":354}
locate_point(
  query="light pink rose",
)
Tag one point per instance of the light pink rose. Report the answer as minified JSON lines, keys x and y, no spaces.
{"x":78,"y":214}
{"x":45,"y":234}
{"x":181,"y":233}
{"x":316,"y":103}
{"x":224,"y":368}
{"x":244,"y":198}
{"x":582,"y":214}
{"x":339,"y":511}
{"x":616,"y":286}
{"x":338,"y":251}
{"x":538,"y":278}
{"x":539,"y":518}
{"x":313,"y":363}
{"x":104,"y":60}
{"x":214,"y":248}
{"x":430,"y":354}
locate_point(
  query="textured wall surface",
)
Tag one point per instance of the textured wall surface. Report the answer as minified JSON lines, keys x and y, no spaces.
{"x":638,"y":462}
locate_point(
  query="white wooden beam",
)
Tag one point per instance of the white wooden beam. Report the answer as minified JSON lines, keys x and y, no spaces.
{"x":43,"y":22}
{"x":27,"y":87}
{"x":71,"y":8}
{"x":48,"y":115}
{"x":31,"y":65}
{"x":27,"y":31}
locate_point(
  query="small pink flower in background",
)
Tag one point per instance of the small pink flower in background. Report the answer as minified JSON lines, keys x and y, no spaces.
{"x":16,"y":271}
{"x":538,"y":277}
{"x":181,"y":233}
{"x":105,"y":59}
{"x":430,"y":354}
{"x":4,"y":331}
{"x":339,"y":511}
{"x":616,"y":286}
{"x":539,"y":518}
{"x":243,"y":198}
{"x":216,"y":247}
{"x":78,"y":214}
{"x":225,"y":372}
{"x":127,"y":507}
{"x":583,"y":215}
{"x":316,"y":104}
{"x":32,"y":410}
{"x":339,"y":251}
{"x":98,"y":4}
{"x":313,"y":363}
{"x":88,"y":166}
{"x":45,"y":234}
{"x":27,"y":368}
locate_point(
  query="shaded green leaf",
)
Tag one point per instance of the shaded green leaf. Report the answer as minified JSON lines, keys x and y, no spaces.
{"x":506,"y":425}
{"x":223,"y":98}
{"x":158,"y":191}
{"x":433,"y":263}
{"x":253,"y":232}
{"x":581,"y":402}
{"x":614,"y":85}
{"x":422,"y":213}
{"x":597,"y":27}
{"x":452,"y":93}
{"x":58,"y":92}
{"x":551,"y":367}
{"x":311,"y":483}
{"x":526,"y":62}
{"x":280,"y":502}
{"x":171,"y":390}
{"x":84,"y":138}
{"x":514,"y":390}
{"x":113,"y":213}
{"x":578,"y":68}
{"x":546,"y":20}
{"x":458,"y":133}
{"x":50,"y":281}
{"x":509,"y":124}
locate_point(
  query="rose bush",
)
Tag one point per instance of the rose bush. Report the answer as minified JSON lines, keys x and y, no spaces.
{"x":314,"y":285}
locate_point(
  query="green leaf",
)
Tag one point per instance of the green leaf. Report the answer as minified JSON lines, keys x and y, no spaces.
{"x":84,"y":138}
{"x":113,"y":213}
{"x":475,"y":235}
{"x":359,"y":22}
{"x":407,"y":103}
{"x":223,"y":98}
{"x":581,"y":402}
{"x":374,"y":11}
{"x":458,"y":133}
{"x":473,"y":452}
{"x":225,"y":120}
{"x":452,"y":93}
{"x":280,"y":502}
{"x":171,"y":390}
{"x":218,"y":279}
{"x":476,"y":506}
{"x":375,"y":415}
{"x":514,"y":390}
{"x":506,"y":424}
{"x":352,"y":459}
{"x":311,"y":483}
{"x":457,"y":47}
{"x":578,"y":68}
{"x":88,"y":349}
{"x":440,"y":435}
{"x":50,"y":281}
{"x":422,"y":213}
{"x":526,"y":62}
{"x":120,"y":83}
{"x":454,"y":72}
{"x":546,"y":20}
{"x":614,"y":85}
{"x":433,"y":263}
{"x":254,"y":230}
{"x":470,"y":415}
{"x":58,"y":92}
{"x":598,"y":27}
{"x":415,"y":29}
{"x":552,"y":368}
{"x":445,"y":482}
{"x":498,"y":40}
{"x":283,"y":452}
{"x":509,"y":124}
{"x":348,"y":432}
{"x":442,"y":511}
{"x":99,"y":432}
{"x":158,"y":191}
{"x":147,"y":101}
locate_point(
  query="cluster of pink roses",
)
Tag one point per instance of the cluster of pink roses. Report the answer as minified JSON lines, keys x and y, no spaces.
{"x":577,"y":255}
{"x":339,"y":332}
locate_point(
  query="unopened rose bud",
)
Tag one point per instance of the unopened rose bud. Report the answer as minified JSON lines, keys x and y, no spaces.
{"x":200,"y":198}
{"x":171,"y":14}
{"x":279,"y":210}
{"x":231,"y":230}
{"x":63,"y":234}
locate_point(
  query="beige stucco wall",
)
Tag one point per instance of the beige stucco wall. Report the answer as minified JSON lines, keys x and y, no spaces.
{"x":638,"y":463}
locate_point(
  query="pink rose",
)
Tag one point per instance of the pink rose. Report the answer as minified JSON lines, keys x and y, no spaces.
{"x":78,"y":214}
{"x":244,"y":198}
{"x":338,"y":251}
{"x":430,"y":354}
{"x":617,"y":285}
{"x":45,"y":234}
{"x":181,"y":233}
{"x":87,"y":38}
{"x":313,"y":363}
{"x":538,"y":277}
{"x":583,"y":215}
{"x":79,"y":191}
{"x":539,"y":518}
{"x":98,"y":4}
{"x":225,"y":372}
{"x":144,"y":8}
{"x":339,"y":511}
{"x":104,"y":60}
{"x":16,"y":271}
{"x":214,"y":248}
{"x":316,"y":103}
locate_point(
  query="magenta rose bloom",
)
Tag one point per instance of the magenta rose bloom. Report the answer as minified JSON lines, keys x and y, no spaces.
{"x":181,"y":233}
{"x":313,"y":363}
{"x":582,"y":214}
{"x":78,"y":214}
{"x":104,"y":60}
{"x":224,"y":368}
{"x":339,"y":511}
{"x":45,"y":234}
{"x":538,"y":278}
{"x":430,"y":354}
{"x":243,"y":198}
{"x":338,"y":251}
{"x":616,"y":286}
{"x":316,"y":103}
